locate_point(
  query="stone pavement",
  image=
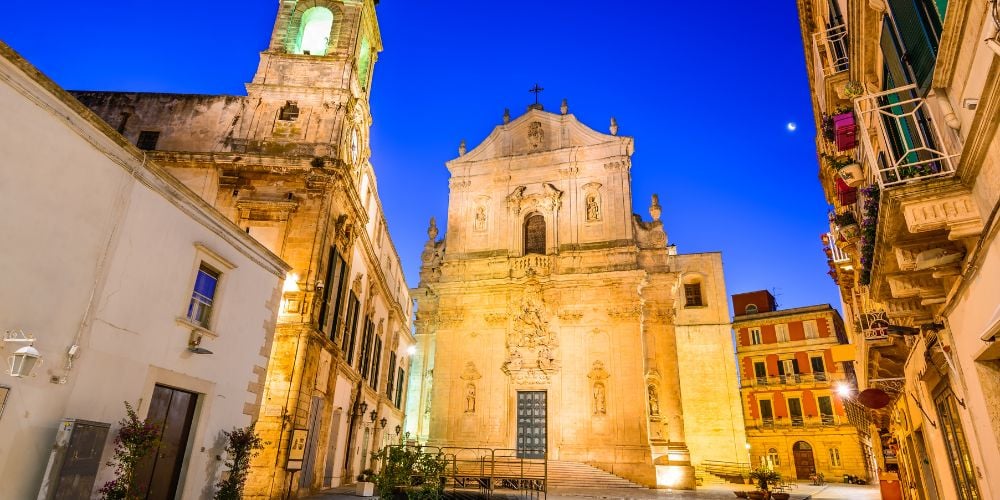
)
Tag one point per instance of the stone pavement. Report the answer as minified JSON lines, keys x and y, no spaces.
{"x":802,"y":491}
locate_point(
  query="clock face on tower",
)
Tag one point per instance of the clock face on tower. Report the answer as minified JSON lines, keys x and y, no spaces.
{"x":355,"y":147}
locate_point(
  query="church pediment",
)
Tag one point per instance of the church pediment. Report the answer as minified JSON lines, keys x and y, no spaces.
{"x":539,"y":131}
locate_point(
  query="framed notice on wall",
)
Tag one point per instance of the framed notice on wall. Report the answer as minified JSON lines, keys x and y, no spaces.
{"x":297,"y":449}
{"x":4,"y":390}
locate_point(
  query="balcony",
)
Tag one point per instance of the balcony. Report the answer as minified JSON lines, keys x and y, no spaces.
{"x":797,"y":379}
{"x":901,"y":139}
{"x":830,"y":56}
{"x":795,"y":423}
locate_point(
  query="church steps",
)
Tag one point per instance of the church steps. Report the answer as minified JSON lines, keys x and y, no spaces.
{"x":563,"y":474}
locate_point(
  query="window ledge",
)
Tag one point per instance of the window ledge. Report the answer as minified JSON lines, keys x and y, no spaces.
{"x":183,"y":321}
{"x":703,"y":306}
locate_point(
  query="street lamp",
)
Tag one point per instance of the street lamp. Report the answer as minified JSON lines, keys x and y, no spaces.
{"x":749,"y":457}
{"x":24,"y":360}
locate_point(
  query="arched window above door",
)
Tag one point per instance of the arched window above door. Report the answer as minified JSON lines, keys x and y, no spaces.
{"x":534,"y":234}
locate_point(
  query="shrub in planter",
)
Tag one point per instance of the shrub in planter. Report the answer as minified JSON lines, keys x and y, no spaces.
{"x":868,"y":233}
{"x":134,"y":441}
{"x":241,"y":447}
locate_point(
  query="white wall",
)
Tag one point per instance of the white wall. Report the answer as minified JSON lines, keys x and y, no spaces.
{"x":105,"y":259}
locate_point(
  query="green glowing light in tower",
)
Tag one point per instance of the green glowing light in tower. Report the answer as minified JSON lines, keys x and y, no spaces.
{"x":314,"y":34}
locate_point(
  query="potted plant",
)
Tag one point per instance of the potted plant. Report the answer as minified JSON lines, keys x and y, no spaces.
{"x":366,"y":484}
{"x":764,"y":478}
{"x":848,"y":169}
{"x":243,"y":445}
{"x":847,"y":225}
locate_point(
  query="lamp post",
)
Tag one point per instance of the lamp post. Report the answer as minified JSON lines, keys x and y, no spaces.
{"x":749,"y":457}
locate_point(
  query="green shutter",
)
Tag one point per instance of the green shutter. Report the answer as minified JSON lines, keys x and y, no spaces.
{"x":919,"y":37}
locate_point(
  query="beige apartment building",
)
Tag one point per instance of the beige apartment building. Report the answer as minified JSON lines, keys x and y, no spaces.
{"x":289,"y":164}
{"x":119,"y":284}
{"x":554,"y":321}
{"x":906,"y":95}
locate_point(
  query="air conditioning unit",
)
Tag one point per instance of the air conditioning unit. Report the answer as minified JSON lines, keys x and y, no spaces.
{"x":74,"y":461}
{"x":937,"y":257}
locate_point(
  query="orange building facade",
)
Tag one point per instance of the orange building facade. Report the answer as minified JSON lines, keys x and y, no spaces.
{"x":796,"y":422}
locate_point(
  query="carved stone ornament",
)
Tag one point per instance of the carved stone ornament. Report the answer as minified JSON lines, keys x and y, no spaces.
{"x":470,"y":372}
{"x":531,"y":345}
{"x":654,"y":400}
{"x":479,"y":224}
{"x":536,"y":135}
{"x":549,"y":200}
{"x":344,"y":233}
{"x":495,"y":319}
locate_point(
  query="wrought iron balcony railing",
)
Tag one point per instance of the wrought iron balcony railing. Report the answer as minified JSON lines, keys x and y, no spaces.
{"x":807,"y":422}
{"x":830,"y":48}
{"x":815,"y":378}
{"x":908,"y":144}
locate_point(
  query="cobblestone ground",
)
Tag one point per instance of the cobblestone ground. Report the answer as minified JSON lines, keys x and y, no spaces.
{"x":800,"y":492}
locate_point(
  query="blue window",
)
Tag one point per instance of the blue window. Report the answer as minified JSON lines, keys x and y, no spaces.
{"x":200,"y":309}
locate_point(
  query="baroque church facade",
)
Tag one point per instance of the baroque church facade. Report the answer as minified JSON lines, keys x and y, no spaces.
{"x":553,"y":320}
{"x":289,"y":163}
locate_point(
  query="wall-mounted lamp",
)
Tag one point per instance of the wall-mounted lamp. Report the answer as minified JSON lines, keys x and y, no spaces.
{"x":383,"y":422}
{"x":362,"y":406}
{"x":24,"y":360}
{"x":194,"y":343}
{"x":374,"y":415}
{"x":398,"y":430}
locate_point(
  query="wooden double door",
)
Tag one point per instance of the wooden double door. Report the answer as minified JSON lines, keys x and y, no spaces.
{"x":805,"y":463}
{"x":172,"y":410}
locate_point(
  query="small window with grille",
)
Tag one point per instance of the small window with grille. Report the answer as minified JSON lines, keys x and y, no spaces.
{"x":692,"y":295}
{"x":147,"y":140}
{"x":289,"y":112}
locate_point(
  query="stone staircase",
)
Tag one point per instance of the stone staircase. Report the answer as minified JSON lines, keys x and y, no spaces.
{"x":579,"y":475}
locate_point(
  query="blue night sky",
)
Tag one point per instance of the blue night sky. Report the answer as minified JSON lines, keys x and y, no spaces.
{"x":706,"y":89}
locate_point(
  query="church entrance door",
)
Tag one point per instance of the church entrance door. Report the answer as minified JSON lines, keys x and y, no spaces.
{"x":531,"y":420}
{"x":805,"y":464}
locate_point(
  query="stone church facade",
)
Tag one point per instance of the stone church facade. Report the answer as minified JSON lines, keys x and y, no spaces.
{"x":289,"y":164}
{"x":553,"y":320}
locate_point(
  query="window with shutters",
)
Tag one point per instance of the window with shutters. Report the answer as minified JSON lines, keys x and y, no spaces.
{"x":399,"y":388}
{"x":918,"y":26}
{"x":392,"y":373}
{"x":534,"y":234}
{"x":366,"y":348}
{"x":781,"y":331}
{"x":334,"y":288}
{"x":834,"y":457}
{"x":755,"y":336}
{"x":351,"y":328}
{"x":376,"y":362}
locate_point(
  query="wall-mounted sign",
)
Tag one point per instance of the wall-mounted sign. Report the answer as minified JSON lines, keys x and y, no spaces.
{"x":297,"y":449}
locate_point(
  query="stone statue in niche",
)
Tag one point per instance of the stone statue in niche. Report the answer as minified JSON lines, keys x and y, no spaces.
{"x":470,"y":398}
{"x":600,"y":399}
{"x":535,"y":135}
{"x":480,"y":222}
{"x":654,"y":400}
{"x":593,"y":208}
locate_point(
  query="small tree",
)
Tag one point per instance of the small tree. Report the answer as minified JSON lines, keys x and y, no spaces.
{"x":765,"y":478}
{"x":134,"y":441}
{"x":244,"y":444}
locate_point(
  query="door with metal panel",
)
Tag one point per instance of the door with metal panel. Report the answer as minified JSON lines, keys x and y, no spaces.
{"x":531,"y":424}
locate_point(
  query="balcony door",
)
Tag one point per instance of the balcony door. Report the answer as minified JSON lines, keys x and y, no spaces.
{"x":795,"y":411}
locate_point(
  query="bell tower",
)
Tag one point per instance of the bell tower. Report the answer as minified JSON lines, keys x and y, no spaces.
{"x":310,"y":93}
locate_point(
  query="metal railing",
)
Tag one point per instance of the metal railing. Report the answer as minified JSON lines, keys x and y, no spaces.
{"x":776,"y":424}
{"x":816,"y":378}
{"x":486,"y":470}
{"x":837,"y":254}
{"x":909,"y":143}
{"x":830,"y":47}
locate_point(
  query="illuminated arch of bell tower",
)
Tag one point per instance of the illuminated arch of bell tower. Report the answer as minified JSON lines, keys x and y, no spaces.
{"x":310,"y":93}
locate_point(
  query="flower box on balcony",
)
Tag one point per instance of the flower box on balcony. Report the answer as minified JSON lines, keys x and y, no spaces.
{"x":852,"y":174}
{"x":844,"y":130}
{"x":846,"y":195}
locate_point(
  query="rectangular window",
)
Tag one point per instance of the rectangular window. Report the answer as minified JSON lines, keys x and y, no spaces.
{"x":200,"y":309}
{"x":958,"y":449}
{"x":818,"y":368}
{"x":366,"y":345}
{"x":918,"y":24}
{"x":332,"y":293}
{"x":399,"y":388}
{"x":810,"y":328}
{"x":825,"y":410}
{"x":834,"y":457}
{"x":692,"y":295}
{"x":376,"y":362}
{"x":755,"y":338}
{"x":351,"y":328}
{"x":760,"y":372}
{"x":795,"y":411}
{"x":781,"y":331}
{"x":392,"y":373}
{"x":766,"y":413}
{"x":147,"y":140}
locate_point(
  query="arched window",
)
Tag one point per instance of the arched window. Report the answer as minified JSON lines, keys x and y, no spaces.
{"x":751,"y":309}
{"x":534,"y":234}
{"x":314,"y":32}
{"x":772,"y":458}
{"x":364,"y":63}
